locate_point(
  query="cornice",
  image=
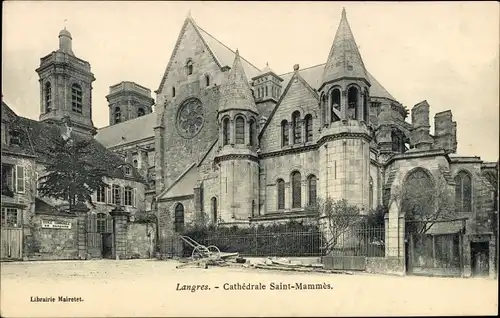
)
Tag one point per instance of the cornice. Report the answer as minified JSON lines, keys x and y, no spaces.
{"x":236,"y":157}
{"x":344,"y":135}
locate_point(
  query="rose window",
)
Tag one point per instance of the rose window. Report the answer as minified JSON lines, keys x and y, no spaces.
{"x":190,"y":118}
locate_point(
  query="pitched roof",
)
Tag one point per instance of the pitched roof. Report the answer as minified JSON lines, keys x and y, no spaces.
{"x":15,"y":123}
{"x":128,"y":131}
{"x":225,"y":55}
{"x":40,"y":136}
{"x":344,"y":59}
{"x":183,"y":185}
{"x":236,"y":92}
{"x":313,"y":76}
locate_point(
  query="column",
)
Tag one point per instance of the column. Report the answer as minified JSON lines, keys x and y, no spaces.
{"x":328,"y":106}
{"x":232,"y":131}
{"x":120,"y":219}
{"x":361,"y":105}
{"x":343,"y":106}
{"x":82,"y":219}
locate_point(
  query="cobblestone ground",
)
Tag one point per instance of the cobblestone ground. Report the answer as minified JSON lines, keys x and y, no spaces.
{"x":148,"y":288}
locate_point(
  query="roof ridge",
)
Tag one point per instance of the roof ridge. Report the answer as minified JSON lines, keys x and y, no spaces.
{"x":127,"y":121}
{"x":302,"y":69}
{"x":227,"y":47}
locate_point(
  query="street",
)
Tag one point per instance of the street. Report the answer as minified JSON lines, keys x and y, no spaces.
{"x":157,"y":288}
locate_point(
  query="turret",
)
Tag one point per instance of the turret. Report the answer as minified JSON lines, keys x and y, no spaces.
{"x":237,"y":149}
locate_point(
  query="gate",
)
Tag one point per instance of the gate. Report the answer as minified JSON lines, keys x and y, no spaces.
{"x":100,"y":236}
{"x":12,"y":243}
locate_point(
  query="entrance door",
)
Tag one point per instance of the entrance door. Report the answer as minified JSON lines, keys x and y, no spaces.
{"x":480,"y":252}
{"x":107,"y":245}
{"x":11,"y":244}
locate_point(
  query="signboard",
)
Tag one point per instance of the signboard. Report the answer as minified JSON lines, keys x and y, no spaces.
{"x":56,"y":225}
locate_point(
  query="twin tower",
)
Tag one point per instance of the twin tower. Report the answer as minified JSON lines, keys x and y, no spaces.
{"x":343,"y":141}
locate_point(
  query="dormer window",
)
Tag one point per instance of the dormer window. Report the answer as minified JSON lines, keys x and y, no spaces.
{"x":128,"y":171}
{"x":140,"y":112}
{"x":189,"y":67}
{"x":14,"y":137}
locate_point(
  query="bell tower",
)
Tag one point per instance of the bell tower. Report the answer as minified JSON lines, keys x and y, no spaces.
{"x":344,"y":142}
{"x":66,"y":87}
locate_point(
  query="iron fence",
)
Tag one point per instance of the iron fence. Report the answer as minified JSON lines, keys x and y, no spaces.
{"x":368,"y":242}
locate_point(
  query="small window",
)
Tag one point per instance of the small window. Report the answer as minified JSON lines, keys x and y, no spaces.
{"x":129,"y":193}
{"x":309,"y":128}
{"x":311,"y":182}
{"x":225,"y":131}
{"x":128,"y":171}
{"x":140,"y":112}
{"x":297,"y":128}
{"x":296,"y":190}
{"x":101,"y":195}
{"x":118,"y":115}
{"x":10,"y":217}
{"x":116,"y":195}
{"x":101,"y":222}
{"x":136,"y":163}
{"x":280,"y":184}
{"x":284,"y":133}
{"x":173,"y":91}
{"x":76,"y":98}
{"x":179,"y":218}
{"x":214,"y":209}
{"x":207,"y":80}
{"x":189,"y":67}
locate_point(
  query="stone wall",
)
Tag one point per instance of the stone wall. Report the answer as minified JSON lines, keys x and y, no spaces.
{"x":141,"y":240}
{"x":385,"y":265}
{"x":48,"y":243}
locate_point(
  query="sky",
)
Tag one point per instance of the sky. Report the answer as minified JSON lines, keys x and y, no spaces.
{"x":444,"y":52}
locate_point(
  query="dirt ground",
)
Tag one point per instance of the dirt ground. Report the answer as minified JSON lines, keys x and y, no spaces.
{"x":149,"y":288}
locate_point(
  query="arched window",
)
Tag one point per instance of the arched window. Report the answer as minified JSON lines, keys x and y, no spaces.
{"x":309,"y":127}
{"x":280,"y":184}
{"x":225,"y":131}
{"x":48,"y":97}
{"x":136,"y":164}
{"x":118,"y":115}
{"x":397,"y":141}
{"x":297,"y":128}
{"x":296,"y":190}
{"x":189,"y":66}
{"x":336,"y":100}
{"x":76,"y":98}
{"x":101,"y":223}
{"x":418,"y":196}
{"x":239,"y":130}
{"x":370,"y":194}
{"x":311,"y":185}
{"x":214,"y":209}
{"x":284,"y":133}
{"x":252,"y":131}
{"x":266,"y":91}
{"x":179,"y":218}
{"x":140,"y":112}
{"x":173,"y":91}
{"x":207,"y":80}
{"x":352,"y":102}
{"x":463,"y":192}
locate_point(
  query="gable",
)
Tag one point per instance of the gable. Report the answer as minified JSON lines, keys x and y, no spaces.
{"x":183,"y":186}
{"x":189,"y":45}
{"x":297,"y":96}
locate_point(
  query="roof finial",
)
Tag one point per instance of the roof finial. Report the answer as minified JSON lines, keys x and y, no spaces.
{"x":237,"y":52}
{"x":344,"y":14}
{"x":189,"y":13}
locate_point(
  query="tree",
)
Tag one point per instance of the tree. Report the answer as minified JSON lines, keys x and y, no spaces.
{"x":336,"y":217}
{"x":424,"y":201}
{"x":71,"y":172}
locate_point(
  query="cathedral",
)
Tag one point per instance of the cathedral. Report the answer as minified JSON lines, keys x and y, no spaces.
{"x":232,"y":144}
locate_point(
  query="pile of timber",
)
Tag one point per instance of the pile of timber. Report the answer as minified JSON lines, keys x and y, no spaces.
{"x":295,"y":266}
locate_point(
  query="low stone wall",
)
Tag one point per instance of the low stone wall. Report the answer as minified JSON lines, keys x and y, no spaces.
{"x":385,"y":265}
{"x":59,"y":242}
{"x":141,"y":240}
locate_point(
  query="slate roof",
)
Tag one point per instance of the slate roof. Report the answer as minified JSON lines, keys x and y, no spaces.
{"x":14,"y":122}
{"x":184,"y":184}
{"x":128,"y":131}
{"x":225,"y":55}
{"x":313,"y":76}
{"x":451,"y":227}
{"x":236,"y":92}
{"x":344,"y":59}
{"x":36,"y":138}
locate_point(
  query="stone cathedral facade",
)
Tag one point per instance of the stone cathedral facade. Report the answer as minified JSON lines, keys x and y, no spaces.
{"x":234,"y":144}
